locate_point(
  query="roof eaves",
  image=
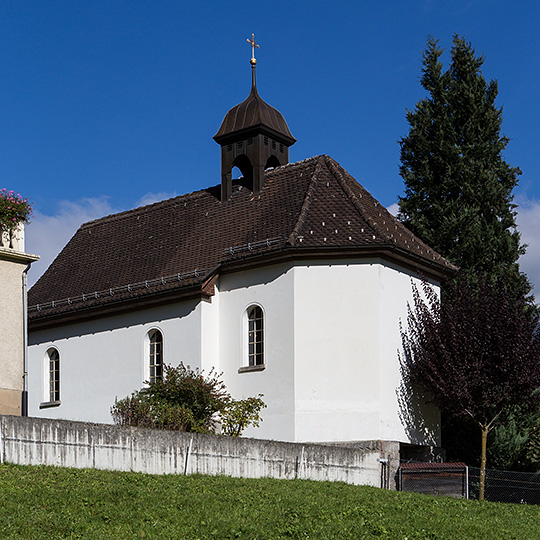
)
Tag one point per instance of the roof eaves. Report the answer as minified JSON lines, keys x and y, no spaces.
{"x":176,"y":286}
{"x":125,"y":305}
{"x":386,"y":251}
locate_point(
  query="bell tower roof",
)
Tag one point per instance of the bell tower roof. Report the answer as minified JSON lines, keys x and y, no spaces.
{"x":254,"y":115}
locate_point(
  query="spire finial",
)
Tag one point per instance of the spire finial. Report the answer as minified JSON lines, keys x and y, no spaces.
{"x":253,"y":60}
{"x":251,"y":41}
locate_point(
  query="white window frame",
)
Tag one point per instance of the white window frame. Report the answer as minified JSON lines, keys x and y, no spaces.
{"x":51,"y":379}
{"x":254,"y":339}
{"x":152,"y":355}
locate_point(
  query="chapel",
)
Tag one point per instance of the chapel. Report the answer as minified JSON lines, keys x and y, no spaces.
{"x":292,"y":281}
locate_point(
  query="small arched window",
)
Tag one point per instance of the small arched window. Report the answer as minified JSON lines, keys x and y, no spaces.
{"x":54,"y":375}
{"x":155,"y":355}
{"x":255,"y":336}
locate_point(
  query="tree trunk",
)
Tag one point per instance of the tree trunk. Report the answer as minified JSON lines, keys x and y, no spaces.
{"x":485,"y":430}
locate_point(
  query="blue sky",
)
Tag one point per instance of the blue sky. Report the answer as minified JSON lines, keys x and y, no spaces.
{"x":109,"y":105}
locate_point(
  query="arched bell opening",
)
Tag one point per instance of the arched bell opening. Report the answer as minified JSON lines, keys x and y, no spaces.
{"x":243,"y":164}
{"x":272,"y":162}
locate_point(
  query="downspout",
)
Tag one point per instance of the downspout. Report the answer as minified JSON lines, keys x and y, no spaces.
{"x":24,"y":404}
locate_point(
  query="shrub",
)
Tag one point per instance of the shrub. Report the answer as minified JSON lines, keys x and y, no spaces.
{"x":141,"y":411}
{"x":186,"y":400}
{"x":238,"y":415}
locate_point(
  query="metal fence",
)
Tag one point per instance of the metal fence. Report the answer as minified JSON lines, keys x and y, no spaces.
{"x":458,"y":480}
{"x":450,"y":479}
{"x":506,"y":486}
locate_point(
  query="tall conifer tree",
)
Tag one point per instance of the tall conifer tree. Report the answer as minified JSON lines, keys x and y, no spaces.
{"x":458,"y":199}
{"x":458,"y":196}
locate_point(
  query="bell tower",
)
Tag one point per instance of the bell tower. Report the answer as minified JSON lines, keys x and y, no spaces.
{"x":253,"y":137}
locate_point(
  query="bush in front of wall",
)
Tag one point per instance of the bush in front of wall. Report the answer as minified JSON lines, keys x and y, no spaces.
{"x":187,"y":400}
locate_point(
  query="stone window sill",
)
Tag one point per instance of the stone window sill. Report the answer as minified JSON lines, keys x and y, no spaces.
{"x":48,"y":404}
{"x":248,"y":369}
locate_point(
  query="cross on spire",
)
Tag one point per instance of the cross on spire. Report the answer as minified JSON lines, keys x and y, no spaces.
{"x":253,"y":46}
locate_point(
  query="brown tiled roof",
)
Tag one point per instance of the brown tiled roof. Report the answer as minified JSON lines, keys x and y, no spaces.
{"x":176,"y":247}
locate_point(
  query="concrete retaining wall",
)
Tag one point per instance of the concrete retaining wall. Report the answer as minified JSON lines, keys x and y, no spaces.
{"x":39,"y":441}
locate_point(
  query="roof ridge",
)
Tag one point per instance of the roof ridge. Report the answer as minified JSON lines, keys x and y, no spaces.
{"x":165,"y":202}
{"x":307,"y":202}
{"x":293,"y":164}
{"x":387,"y":235}
{"x":342,"y":181}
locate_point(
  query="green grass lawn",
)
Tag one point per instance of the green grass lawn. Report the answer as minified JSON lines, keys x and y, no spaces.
{"x":48,"y":502}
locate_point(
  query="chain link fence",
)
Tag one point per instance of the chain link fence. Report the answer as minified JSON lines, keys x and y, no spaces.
{"x":458,"y":480}
{"x":506,"y":486}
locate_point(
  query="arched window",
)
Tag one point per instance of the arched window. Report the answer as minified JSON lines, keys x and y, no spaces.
{"x":54,"y":375}
{"x":255,"y":336}
{"x":155,"y":355}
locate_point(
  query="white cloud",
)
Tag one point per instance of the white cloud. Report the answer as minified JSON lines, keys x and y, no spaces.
{"x":47,"y":235}
{"x":393,"y":209}
{"x":151,"y":197}
{"x":528,"y":221}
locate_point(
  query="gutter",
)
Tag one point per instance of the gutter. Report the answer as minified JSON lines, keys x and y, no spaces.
{"x":24,"y":397}
{"x":386,"y":251}
{"x":82,"y":312}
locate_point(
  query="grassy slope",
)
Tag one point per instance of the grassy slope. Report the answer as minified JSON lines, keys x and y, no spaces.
{"x":47,"y":502}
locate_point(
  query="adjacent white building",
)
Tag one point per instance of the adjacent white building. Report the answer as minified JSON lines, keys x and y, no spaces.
{"x":292,"y":281}
{"x":14,"y":265}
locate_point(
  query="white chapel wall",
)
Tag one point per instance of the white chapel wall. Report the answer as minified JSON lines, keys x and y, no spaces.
{"x":414,"y":420}
{"x":106,"y":358}
{"x":271,"y":288}
{"x":337,"y":380}
{"x":347,"y":340}
{"x":331,"y":349}
{"x":209,"y":334}
{"x":331,"y":345}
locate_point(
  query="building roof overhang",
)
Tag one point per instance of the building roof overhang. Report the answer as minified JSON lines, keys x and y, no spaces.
{"x":68,"y":311}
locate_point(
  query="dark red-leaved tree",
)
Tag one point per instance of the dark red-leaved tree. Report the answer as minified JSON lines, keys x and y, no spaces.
{"x":477,"y":353}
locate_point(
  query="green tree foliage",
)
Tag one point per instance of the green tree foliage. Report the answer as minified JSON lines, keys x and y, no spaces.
{"x":510,"y":442}
{"x":458,"y":199}
{"x":186,"y":400}
{"x":477,"y":353}
{"x":240,"y":414}
{"x":458,"y":196}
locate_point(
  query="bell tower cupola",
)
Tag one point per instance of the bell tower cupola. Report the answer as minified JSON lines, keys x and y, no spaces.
{"x":253,"y":137}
